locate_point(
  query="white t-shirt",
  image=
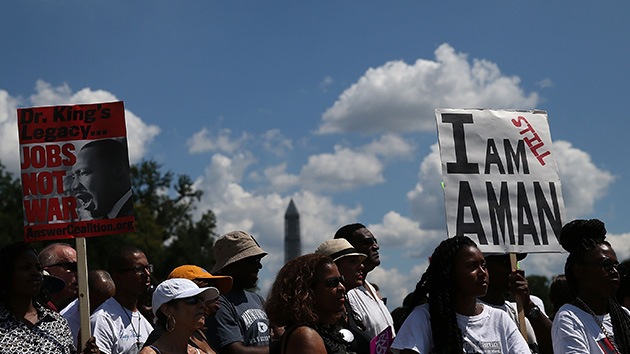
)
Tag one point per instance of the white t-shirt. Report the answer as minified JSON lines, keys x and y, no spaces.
{"x":370,"y":309}
{"x":575,"y":331}
{"x":511,"y":309}
{"x":490,"y":332}
{"x":71,"y":313}
{"x":118,"y":330}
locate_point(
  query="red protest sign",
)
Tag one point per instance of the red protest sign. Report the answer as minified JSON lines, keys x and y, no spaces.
{"x":75,"y":171}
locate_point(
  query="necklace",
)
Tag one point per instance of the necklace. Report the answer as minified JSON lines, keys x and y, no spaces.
{"x":136,"y":333}
{"x":599,"y":323}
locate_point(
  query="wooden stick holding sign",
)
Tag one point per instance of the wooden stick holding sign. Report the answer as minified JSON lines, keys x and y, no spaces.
{"x":519,"y":303}
{"x":84,"y":292}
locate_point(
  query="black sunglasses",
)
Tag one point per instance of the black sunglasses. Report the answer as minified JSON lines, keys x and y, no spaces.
{"x":193,"y":300}
{"x":607,"y":264}
{"x":67,"y":266}
{"x":334,"y":281}
{"x":369,"y":241}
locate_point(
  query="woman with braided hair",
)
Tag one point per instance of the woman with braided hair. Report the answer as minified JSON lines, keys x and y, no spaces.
{"x":453,"y":321}
{"x":588,"y":323}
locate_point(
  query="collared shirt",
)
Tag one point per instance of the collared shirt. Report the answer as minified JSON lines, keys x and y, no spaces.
{"x":370,"y":309}
{"x":50,"y":335}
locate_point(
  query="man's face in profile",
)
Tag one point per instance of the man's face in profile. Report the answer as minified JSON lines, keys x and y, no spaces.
{"x":91,"y":180}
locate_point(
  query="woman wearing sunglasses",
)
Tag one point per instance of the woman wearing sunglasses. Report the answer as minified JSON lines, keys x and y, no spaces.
{"x":179,"y":307}
{"x":594,"y":322}
{"x":307,"y":299}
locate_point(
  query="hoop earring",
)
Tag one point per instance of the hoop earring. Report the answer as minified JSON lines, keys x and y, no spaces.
{"x":168,"y":320}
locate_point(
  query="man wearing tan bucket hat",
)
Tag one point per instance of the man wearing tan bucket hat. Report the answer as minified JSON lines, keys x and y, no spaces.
{"x":241,"y":324}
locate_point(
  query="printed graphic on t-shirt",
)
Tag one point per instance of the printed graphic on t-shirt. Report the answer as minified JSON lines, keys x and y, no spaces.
{"x":482,"y":348}
{"x":255,"y":321}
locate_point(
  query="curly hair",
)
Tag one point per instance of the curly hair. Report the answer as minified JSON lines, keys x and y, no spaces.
{"x":579,"y":237}
{"x":291,"y":299}
{"x":437,"y":282}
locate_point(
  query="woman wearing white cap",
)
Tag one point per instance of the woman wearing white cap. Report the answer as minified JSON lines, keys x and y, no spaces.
{"x":179,"y":306}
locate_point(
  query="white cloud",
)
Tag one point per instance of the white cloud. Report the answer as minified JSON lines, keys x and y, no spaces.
{"x":326,"y":83}
{"x":621,"y":244}
{"x":393,"y":284}
{"x":396,"y":230}
{"x":401,"y":97}
{"x":139,"y":133}
{"x":583,"y":183}
{"x":262,"y":214}
{"x":221,"y":141}
{"x":390,"y":145}
{"x":278,"y":179}
{"x":545,"y":83}
{"x":276,"y":143}
{"x":9,"y":152}
{"x":427,"y":198}
{"x":345,"y":169}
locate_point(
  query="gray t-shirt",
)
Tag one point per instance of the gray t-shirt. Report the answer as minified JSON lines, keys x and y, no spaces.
{"x":240,"y":318}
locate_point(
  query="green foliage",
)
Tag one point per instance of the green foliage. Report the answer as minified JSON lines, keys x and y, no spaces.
{"x":163,"y":208}
{"x":539,"y":286}
{"x":11,"y":212}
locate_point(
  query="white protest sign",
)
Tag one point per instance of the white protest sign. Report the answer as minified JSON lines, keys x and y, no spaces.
{"x":501,"y":181}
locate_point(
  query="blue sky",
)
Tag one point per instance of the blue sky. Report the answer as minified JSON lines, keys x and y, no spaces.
{"x":331,"y":103}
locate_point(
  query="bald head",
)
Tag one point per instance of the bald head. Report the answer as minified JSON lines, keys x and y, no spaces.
{"x":60,"y":260}
{"x":102,"y":287}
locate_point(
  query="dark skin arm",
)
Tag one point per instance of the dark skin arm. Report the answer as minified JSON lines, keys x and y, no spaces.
{"x":240,"y":348}
{"x":541,"y":325}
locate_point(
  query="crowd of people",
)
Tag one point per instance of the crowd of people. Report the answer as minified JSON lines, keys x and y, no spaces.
{"x":319,"y":303}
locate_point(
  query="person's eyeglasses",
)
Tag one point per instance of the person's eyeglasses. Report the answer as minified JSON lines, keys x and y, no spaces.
{"x":334,"y":282}
{"x":607,"y":264}
{"x":67,"y":266}
{"x":193,"y":300}
{"x":369,"y":241}
{"x":139,"y":270}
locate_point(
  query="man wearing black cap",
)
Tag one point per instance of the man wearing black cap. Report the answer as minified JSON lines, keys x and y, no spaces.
{"x":504,"y":280}
{"x":240,"y":325}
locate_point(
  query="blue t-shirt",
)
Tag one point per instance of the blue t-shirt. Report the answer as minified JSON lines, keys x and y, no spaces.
{"x":240,"y":318}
